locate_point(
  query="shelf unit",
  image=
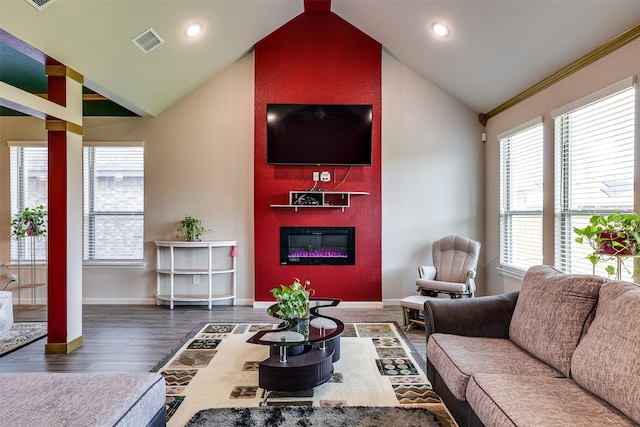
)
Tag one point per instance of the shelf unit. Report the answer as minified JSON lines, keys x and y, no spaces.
{"x":179,"y":260}
{"x":32,"y":272}
{"x":320,"y":199}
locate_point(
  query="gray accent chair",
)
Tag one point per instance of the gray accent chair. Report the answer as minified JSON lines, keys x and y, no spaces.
{"x":455,"y":259}
{"x":453,"y":272}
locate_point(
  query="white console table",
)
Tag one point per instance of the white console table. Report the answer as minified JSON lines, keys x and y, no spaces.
{"x":179,"y":261}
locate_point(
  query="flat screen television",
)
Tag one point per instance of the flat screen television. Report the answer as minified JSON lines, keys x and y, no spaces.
{"x":319,"y":134}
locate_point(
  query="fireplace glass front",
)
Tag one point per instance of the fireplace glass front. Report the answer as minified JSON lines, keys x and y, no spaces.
{"x":317,"y":246}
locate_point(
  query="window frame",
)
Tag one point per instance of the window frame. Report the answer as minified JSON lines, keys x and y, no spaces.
{"x":507,"y":264}
{"x":564,"y":213}
{"x":133,"y":262}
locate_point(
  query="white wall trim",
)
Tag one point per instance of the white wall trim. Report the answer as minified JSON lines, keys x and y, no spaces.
{"x":240,"y":302}
{"x":343,"y":304}
{"x":529,"y":124}
{"x":593,"y":97}
{"x":122,"y":301}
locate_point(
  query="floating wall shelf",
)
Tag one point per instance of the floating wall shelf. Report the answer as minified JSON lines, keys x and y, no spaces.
{"x":320,"y":199}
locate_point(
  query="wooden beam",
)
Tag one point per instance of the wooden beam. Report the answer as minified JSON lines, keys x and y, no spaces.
{"x":599,"y":53}
{"x":85,"y":96}
{"x":63,"y":126}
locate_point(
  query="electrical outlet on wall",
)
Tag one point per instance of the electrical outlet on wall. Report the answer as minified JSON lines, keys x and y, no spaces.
{"x":316,"y":176}
{"x":325,"y":176}
{"x":12,"y":277}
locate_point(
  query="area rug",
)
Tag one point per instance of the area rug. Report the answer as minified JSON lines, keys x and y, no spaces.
{"x":21,"y":334}
{"x":215,"y":367}
{"x":296,"y":416}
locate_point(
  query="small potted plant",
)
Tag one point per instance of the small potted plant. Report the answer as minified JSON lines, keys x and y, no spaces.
{"x":293,"y":300}
{"x":191,"y":229}
{"x":614,"y":235}
{"x":29,"y":223}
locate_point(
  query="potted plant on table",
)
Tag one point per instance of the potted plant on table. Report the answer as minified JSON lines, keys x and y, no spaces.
{"x":611,"y":236}
{"x":292,"y":304}
{"x":191,"y":229}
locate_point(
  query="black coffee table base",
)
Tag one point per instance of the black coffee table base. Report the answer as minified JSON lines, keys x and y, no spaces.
{"x":301,"y":372}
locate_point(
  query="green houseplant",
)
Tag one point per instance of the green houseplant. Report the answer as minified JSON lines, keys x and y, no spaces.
{"x":191,"y":229}
{"x":293,"y":300}
{"x":29,"y":223}
{"x":609,"y":236}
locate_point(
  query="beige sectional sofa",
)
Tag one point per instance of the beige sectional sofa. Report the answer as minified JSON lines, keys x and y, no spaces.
{"x":563,"y":351}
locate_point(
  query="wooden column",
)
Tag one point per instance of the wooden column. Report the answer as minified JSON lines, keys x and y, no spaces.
{"x":65,"y":214}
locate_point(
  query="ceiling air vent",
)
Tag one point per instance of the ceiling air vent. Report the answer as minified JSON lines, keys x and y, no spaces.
{"x":147,"y":40}
{"x":40,"y":4}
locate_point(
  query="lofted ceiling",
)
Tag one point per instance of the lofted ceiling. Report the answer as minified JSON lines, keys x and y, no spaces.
{"x":496,"y":48}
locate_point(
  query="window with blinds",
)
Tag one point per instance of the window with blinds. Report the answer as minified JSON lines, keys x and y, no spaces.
{"x":28,"y":178}
{"x":113,"y":203}
{"x":594,"y":140}
{"x":521,"y":196}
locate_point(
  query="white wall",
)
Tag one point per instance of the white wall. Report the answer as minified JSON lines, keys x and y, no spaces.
{"x":199,"y":161}
{"x":432,"y":168}
{"x":616,"y":66}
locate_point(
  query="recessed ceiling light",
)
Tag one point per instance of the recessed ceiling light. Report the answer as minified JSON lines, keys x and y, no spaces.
{"x":440,"y":29}
{"x":193,"y":30}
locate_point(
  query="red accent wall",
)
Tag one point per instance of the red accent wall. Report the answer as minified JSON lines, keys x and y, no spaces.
{"x":318,"y":58}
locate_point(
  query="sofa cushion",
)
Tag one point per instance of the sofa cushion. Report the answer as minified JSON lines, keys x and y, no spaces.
{"x":552,"y":312}
{"x":520,"y":400}
{"x":81,"y":399}
{"x":457,"y":358}
{"x":606,"y":362}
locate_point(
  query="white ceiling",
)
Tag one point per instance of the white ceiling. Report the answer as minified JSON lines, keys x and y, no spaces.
{"x":496,"y":49}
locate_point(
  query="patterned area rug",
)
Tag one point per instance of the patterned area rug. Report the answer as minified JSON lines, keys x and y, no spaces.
{"x":20,"y":335}
{"x":291,"y":416}
{"x":216,"y":368}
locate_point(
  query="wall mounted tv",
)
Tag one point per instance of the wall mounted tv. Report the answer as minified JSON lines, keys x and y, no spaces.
{"x":319,"y":134}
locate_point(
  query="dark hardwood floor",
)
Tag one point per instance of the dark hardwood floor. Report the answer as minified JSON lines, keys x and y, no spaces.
{"x":137,"y":337}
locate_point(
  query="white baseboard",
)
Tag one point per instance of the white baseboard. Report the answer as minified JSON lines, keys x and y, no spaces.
{"x":240,"y":302}
{"x":118,"y":301}
{"x":153,"y":301}
{"x":343,"y":304}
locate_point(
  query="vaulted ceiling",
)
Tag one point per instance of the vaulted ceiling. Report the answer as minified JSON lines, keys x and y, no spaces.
{"x":495,"y":49}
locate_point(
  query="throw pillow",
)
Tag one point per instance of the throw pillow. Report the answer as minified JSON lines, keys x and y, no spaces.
{"x":551,"y":313}
{"x":606,"y":360}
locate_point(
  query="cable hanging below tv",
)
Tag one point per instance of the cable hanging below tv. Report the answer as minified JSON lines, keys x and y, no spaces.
{"x":319,"y":134}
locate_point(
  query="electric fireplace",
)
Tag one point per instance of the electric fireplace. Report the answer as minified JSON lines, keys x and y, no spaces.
{"x":317,"y":245}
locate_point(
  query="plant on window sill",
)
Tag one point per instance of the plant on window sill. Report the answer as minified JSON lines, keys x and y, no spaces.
{"x":610,"y":236}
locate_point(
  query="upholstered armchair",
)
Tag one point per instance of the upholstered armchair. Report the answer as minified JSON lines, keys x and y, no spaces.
{"x":455,"y":259}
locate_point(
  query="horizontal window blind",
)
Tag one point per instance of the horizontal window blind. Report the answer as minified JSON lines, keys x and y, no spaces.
{"x":595,"y":170}
{"x":521,"y":197}
{"x":113,"y":203}
{"x":28,"y":178}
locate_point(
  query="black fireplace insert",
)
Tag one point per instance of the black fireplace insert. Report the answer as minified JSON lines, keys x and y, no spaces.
{"x":317,"y":245}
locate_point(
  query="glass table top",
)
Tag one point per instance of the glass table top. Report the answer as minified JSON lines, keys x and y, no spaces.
{"x":315,"y":329}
